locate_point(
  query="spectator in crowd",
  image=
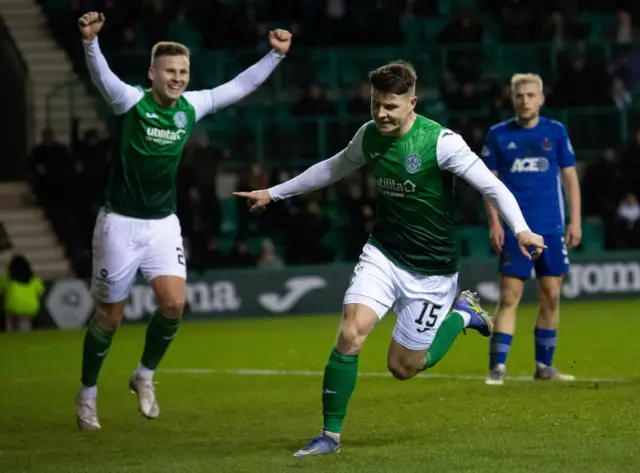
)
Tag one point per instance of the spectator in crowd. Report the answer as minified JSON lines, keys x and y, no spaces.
{"x":240,"y":256}
{"x":314,"y":103}
{"x":624,"y":31}
{"x":268,"y":258}
{"x":468,"y":94}
{"x":601,"y":185}
{"x":21,"y":291}
{"x":627,"y":227}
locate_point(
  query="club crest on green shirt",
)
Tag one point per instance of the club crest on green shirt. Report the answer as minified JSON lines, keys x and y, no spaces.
{"x":412,"y":163}
{"x":180,"y":119}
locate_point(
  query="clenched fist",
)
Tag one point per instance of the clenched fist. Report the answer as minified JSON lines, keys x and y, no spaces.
{"x":90,"y":24}
{"x":280,"y":40}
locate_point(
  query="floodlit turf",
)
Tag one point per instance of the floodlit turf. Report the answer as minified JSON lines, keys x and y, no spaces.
{"x":220,"y":419}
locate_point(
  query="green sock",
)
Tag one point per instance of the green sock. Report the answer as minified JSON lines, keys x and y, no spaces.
{"x":96,"y":345}
{"x":160,"y":332}
{"x":338,"y":385}
{"x":451,"y":327}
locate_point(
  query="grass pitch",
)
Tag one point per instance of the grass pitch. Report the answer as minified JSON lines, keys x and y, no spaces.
{"x":243,"y":395}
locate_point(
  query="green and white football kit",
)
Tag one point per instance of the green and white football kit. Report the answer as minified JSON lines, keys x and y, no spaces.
{"x":137,"y":228}
{"x":410,"y":263}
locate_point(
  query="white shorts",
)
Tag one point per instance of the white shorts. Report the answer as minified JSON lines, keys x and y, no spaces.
{"x":420,"y":302}
{"x":122,"y":245}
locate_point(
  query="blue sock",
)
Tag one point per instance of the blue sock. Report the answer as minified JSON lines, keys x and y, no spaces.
{"x":545,"y":345}
{"x":499,"y":348}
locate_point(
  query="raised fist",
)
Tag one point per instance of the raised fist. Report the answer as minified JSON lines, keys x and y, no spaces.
{"x":280,"y":40}
{"x":90,"y":24}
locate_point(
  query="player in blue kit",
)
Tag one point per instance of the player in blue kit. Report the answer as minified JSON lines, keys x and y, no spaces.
{"x":534,"y":158}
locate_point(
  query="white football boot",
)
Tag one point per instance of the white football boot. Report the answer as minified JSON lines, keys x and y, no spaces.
{"x":144,"y":389}
{"x":87,"y":412}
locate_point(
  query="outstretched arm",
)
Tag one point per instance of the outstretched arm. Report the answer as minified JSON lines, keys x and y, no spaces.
{"x":245,"y":83}
{"x":455,"y":156}
{"x":120,"y":96}
{"x":316,"y":177}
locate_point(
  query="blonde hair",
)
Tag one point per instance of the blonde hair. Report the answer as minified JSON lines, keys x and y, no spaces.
{"x":518,"y":79}
{"x":169,"y":48}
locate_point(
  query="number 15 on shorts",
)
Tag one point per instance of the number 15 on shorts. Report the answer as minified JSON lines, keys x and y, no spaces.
{"x":428,"y":318}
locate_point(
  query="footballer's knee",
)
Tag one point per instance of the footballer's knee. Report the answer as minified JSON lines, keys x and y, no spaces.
{"x":171,"y":293}
{"x":549,"y":290}
{"x":404,"y":364}
{"x":510,"y":293}
{"x":108,"y":315}
{"x":172,"y":307}
{"x":357,"y":322}
{"x":402,"y":370}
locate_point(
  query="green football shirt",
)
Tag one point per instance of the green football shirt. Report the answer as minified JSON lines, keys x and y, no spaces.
{"x":142,"y":181}
{"x":414,"y":177}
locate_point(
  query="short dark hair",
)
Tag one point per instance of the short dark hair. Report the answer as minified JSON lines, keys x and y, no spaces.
{"x":169,"y":48}
{"x":397,"y":77}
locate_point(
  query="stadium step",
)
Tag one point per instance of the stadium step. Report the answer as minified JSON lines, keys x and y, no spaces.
{"x":13,"y":195}
{"x":27,"y":228}
{"x":47,"y":270}
{"x":33,"y":242}
{"x":20,"y":216}
{"x":50,"y":69}
{"x":30,"y":233}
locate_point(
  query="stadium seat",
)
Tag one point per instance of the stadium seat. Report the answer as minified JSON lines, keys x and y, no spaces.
{"x":475,"y":241}
{"x":187,"y":34}
{"x":592,"y":238}
{"x":229,"y":208}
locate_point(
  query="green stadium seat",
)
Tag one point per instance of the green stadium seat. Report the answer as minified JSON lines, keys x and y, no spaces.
{"x":431,"y":27}
{"x":226,"y":243}
{"x":446,"y":7}
{"x":411,"y":29}
{"x":255,"y":244}
{"x":475,"y":241}
{"x":593,"y":238}
{"x":229,"y":210}
{"x":183,"y":32}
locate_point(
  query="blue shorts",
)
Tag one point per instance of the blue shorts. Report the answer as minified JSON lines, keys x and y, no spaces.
{"x":554,"y":261}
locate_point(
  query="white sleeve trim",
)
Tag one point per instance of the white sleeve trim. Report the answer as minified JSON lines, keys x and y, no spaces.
{"x":244,"y":84}
{"x":453,"y":153}
{"x":121,"y":97}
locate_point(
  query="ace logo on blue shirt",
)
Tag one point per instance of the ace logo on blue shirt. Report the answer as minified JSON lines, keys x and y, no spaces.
{"x":528,"y":161}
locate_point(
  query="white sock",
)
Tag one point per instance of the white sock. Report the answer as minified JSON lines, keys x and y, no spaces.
{"x":466,"y":317}
{"x":333,"y":435}
{"x":144,"y":372}
{"x":88,"y":391}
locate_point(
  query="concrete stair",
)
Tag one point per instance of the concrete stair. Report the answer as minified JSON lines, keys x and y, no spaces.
{"x":30,"y":233}
{"x":50,"y":69}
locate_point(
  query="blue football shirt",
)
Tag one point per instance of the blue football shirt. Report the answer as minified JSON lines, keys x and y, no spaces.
{"x":528,"y":161}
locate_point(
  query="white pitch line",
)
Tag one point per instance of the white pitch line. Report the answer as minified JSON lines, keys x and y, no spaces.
{"x":368,"y":374}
